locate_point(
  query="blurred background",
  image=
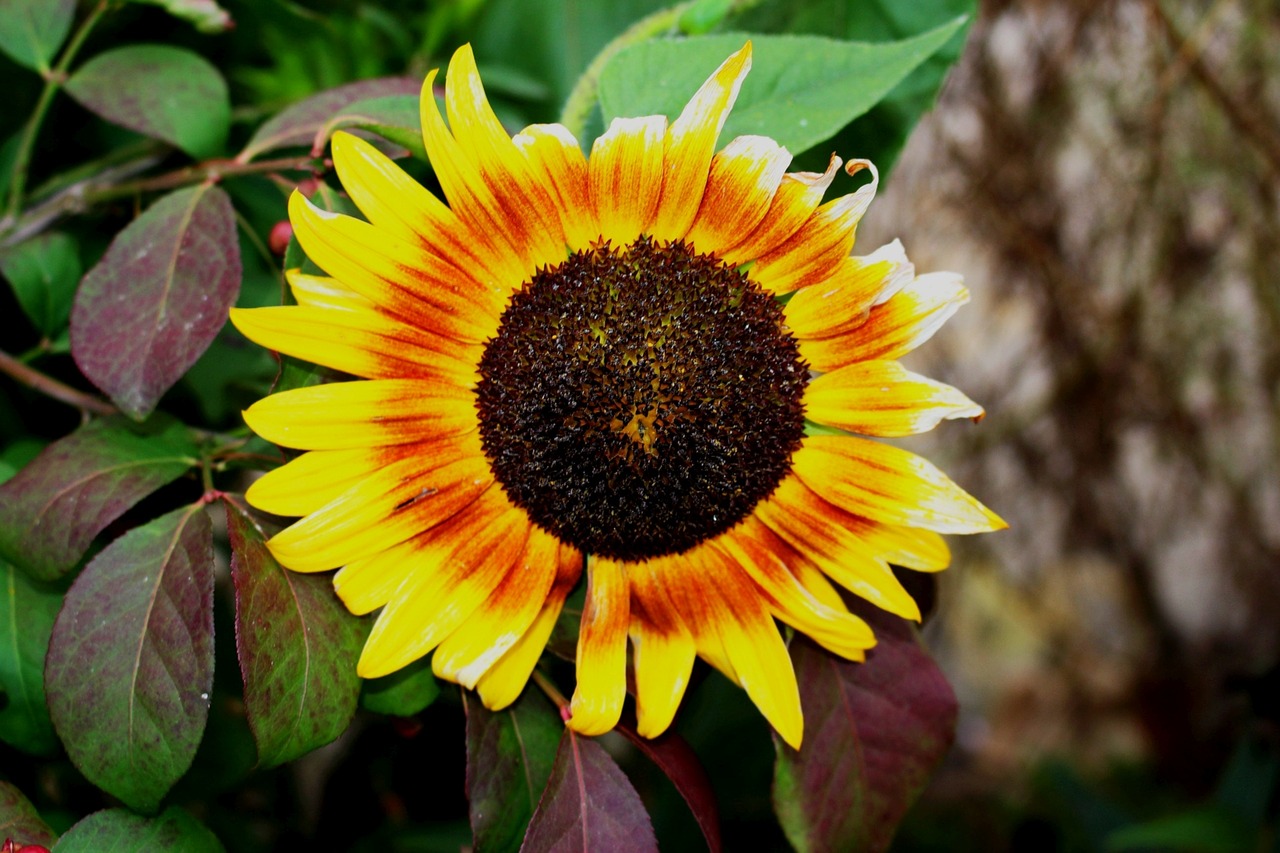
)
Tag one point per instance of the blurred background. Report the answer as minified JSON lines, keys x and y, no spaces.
{"x":1106,"y":174}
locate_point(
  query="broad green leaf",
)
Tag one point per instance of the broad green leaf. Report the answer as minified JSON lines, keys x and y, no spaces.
{"x":205,"y":15}
{"x":163,"y":92}
{"x":801,"y":89}
{"x":31,"y":31}
{"x":20,"y":821}
{"x":27,"y":611}
{"x":44,"y":272}
{"x":130,"y":664}
{"x":552,"y":41}
{"x":51,"y":511}
{"x":119,"y":831}
{"x":298,"y":648}
{"x":300,"y":124}
{"x":147,"y":311}
{"x":588,"y":804}
{"x":880,"y":134}
{"x":1212,"y":828}
{"x":403,"y":693}
{"x":510,"y":754}
{"x":393,"y":117}
{"x":873,"y":734}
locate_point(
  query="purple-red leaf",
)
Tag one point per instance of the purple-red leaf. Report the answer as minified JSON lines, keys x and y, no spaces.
{"x":301,"y":123}
{"x":158,"y":297}
{"x":510,"y":754}
{"x":680,"y":763}
{"x":298,"y":648}
{"x":589,"y":805}
{"x":873,"y":735}
{"x":175,"y":831}
{"x":130,"y":664}
{"x":163,"y":92}
{"x":54,"y":507}
{"x":19,"y":820}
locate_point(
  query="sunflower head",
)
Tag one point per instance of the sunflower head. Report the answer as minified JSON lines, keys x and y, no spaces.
{"x":583,"y":362}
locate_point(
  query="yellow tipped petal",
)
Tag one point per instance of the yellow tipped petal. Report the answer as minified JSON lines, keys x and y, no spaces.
{"x":690,"y":144}
{"x":883,"y":398}
{"x":740,"y":189}
{"x":795,"y":201}
{"x":602,"y":650}
{"x":625,"y":177}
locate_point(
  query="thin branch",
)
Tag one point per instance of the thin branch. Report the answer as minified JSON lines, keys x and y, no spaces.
{"x":51,"y":387}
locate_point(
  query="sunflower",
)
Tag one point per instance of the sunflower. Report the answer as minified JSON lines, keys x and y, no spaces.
{"x":588,"y":363}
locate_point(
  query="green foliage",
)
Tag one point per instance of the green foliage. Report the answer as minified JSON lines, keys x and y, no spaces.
{"x":127,"y":255}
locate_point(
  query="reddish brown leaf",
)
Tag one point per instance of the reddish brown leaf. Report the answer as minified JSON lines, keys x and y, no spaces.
{"x":298,"y":648}
{"x":510,"y":754}
{"x":588,"y":805}
{"x":873,"y":735}
{"x":130,"y":662}
{"x":300,"y":123}
{"x":680,"y":763}
{"x":19,"y":820}
{"x":54,"y":507}
{"x":158,"y":297}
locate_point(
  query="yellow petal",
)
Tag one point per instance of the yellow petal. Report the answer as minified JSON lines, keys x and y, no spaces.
{"x":625,"y":177}
{"x":466,"y":567}
{"x":795,"y":201}
{"x":690,"y":144}
{"x":740,"y":188}
{"x":829,"y":538}
{"x":394,"y":504}
{"x":400,"y":278}
{"x":843,"y":302}
{"x":890,"y":485}
{"x":321,"y":291}
{"x":466,"y":654}
{"x":314,"y":479}
{"x":554,"y":154}
{"x":818,"y":247}
{"x":894,"y":328}
{"x":368,"y":413}
{"x":885,"y":399}
{"x":505,"y":680}
{"x":663,"y":651}
{"x":360,"y":342}
{"x":602,"y":650}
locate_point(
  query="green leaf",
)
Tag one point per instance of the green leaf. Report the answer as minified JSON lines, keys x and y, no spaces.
{"x":51,"y":511}
{"x":509,"y":758}
{"x":553,"y":40}
{"x":393,"y":117}
{"x":27,"y":611}
{"x":1212,"y":828}
{"x":206,"y":15}
{"x":44,"y":272}
{"x":298,"y":648}
{"x":874,"y":732}
{"x":31,"y":31}
{"x":403,"y":693}
{"x":20,"y":821}
{"x":130,"y":664}
{"x":118,"y":831}
{"x":163,"y":92}
{"x":299,"y":124}
{"x":150,"y":308}
{"x":880,"y":134}
{"x":801,"y":89}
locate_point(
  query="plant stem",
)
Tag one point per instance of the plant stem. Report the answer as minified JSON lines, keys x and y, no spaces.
{"x":553,"y":693}
{"x":53,"y":81}
{"x":51,"y":387}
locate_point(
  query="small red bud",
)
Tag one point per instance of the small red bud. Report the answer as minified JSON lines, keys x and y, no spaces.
{"x":308,"y":186}
{"x":279,"y":238}
{"x":406,"y":727}
{"x":33,"y":848}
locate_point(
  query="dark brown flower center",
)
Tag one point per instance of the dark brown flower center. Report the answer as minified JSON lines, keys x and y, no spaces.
{"x":637,"y":402}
